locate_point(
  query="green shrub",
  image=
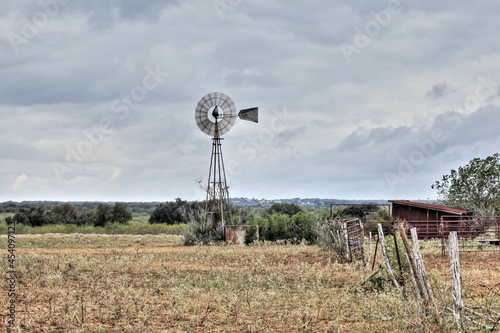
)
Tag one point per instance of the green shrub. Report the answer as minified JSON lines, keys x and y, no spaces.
{"x":251,"y":232}
{"x":402,"y":273}
{"x":275,"y":226}
{"x":304,"y":227}
{"x":331,"y":237}
{"x":202,"y":233}
{"x":377,"y":282}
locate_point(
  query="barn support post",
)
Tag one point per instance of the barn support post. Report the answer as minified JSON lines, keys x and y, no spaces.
{"x":441,"y":230}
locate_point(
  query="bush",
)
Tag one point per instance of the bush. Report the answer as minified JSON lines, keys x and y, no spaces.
{"x":331,"y":238}
{"x":377,"y":282}
{"x":279,"y":226}
{"x":402,"y":273}
{"x":274,"y":227}
{"x":304,"y":227}
{"x":203,"y":232}
{"x":251,"y":232}
{"x":177,"y":211}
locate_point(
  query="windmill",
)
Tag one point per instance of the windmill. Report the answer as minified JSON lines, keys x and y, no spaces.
{"x":215,"y":115}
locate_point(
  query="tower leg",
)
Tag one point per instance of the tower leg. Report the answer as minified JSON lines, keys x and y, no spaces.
{"x":217,"y":201}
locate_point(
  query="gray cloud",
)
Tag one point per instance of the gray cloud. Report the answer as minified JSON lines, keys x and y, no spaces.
{"x":438,"y":90}
{"x":74,"y":85}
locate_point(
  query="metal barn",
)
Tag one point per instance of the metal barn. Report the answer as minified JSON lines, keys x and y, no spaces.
{"x":419,"y":211}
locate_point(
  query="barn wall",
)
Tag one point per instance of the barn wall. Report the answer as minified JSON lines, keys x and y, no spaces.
{"x":410,"y":213}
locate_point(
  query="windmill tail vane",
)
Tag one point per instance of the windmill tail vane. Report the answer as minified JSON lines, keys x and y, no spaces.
{"x":251,"y":114}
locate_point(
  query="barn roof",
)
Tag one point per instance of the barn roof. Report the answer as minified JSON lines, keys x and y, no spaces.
{"x":445,"y":209}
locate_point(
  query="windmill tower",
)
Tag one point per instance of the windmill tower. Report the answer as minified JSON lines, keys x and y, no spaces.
{"x":215,"y":115}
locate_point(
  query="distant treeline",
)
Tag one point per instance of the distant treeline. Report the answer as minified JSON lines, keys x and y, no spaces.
{"x":149,"y":207}
{"x":301,"y":201}
{"x":81,"y":207}
{"x":98,"y":216}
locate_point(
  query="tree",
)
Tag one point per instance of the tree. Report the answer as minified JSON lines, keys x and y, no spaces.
{"x":359,"y":211}
{"x":169,"y":212}
{"x":35,"y":216}
{"x":286,"y":208}
{"x":64,"y":214}
{"x":103,"y":215}
{"x":120,"y":213}
{"x":86,"y":218}
{"x":474,"y":187}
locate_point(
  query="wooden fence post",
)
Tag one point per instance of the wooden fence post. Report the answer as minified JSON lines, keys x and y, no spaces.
{"x":369,"y":249}
{"x":417,"y":286}
{"x":346,"y":238}
{"x":456,"y":290}
{"x":384,"y":255}
{"x":422,"y":275}
{"x":362,"y":233}
{"x":375,"y":255}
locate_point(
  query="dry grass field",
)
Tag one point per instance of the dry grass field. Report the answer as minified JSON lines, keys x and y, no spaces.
{"x":125,"y":283}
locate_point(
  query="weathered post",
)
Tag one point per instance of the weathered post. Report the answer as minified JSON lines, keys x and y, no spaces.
{"x":417,"y":287}
{"x":348,"y":256}
{"x":384,"y":256}
{"x":369,"y":249}
{"x":394,"y":234}
{"x":422,"y":275}
{"x":456,"y":290}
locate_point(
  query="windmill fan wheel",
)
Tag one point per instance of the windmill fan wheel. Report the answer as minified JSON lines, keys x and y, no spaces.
{"x":215,"y":114}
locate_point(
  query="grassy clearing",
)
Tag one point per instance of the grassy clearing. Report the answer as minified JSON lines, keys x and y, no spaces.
{"x":126,"y":283}
{"x":110,"y":229}
{"x":140,"y":218}
{"x":138,"y":226}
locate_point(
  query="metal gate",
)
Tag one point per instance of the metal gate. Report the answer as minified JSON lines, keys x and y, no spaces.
{"x":355,"y":239}
{"x":476,"y":233}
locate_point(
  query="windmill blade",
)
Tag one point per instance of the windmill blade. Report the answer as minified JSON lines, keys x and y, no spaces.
{"x":251,"y":114}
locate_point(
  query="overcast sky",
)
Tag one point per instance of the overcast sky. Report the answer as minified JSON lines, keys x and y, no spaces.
{"x":357,"y":99}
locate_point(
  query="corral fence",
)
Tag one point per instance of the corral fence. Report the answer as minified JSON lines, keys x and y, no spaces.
{"x":475,"y":233}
